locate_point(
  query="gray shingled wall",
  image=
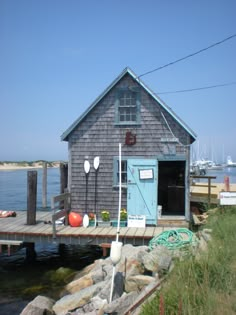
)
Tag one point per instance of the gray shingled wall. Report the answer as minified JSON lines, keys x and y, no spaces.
{"x":97,"y":135}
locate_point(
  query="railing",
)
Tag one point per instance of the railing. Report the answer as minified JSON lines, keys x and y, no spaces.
{"x":60,"y":206}
{"x":209,"y":186}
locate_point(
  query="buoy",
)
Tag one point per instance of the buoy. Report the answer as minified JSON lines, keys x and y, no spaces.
{"x":75,"y":219}
{"x":115,"y":253}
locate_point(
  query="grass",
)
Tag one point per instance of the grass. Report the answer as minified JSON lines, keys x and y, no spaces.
{"x":207,"y":284}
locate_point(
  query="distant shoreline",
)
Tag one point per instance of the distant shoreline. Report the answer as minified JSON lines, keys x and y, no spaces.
{"x":7,"y":166}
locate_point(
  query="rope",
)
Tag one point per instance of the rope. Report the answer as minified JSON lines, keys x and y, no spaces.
{"x":173,"y":239}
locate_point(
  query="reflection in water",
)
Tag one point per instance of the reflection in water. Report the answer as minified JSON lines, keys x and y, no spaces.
{"x":21,"y":281}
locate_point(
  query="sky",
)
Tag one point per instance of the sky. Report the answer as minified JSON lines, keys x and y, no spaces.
{"x":57,"y":56}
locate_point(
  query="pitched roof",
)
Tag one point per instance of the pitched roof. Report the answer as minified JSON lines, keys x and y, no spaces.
{"x":65,"y":135}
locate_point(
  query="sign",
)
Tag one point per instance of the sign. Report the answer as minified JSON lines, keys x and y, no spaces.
{"x":146,"y":174}
{"x":227,"y":198}
{"x":136,"y":220}
{"x":169,"y":140}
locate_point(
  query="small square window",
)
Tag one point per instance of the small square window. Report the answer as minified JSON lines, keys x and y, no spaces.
{"x":123,"y":172}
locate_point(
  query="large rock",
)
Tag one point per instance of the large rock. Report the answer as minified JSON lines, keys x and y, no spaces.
{"x":73,"y":301}
{"x":158,"y":260}
{"x":41,"y":305}
{"x":120,"y":305}
{"x":136,"y":283}
{"x":79,"y":284}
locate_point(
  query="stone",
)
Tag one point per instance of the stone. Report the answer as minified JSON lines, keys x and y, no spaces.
{"x":136,"y":283}
{"x":73,"y":301}
{"x":120,"y":305}
{"x":79,"y":284}
{"x":41,"y":305}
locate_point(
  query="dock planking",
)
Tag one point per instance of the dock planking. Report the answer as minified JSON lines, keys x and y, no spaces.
{"x":16,"y":229}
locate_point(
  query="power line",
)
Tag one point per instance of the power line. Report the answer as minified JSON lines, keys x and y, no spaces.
{"x":188,"y":56}
{"x":197,"y":89}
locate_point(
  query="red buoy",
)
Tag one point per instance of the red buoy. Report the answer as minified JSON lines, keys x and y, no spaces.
{"x":75,"y":219}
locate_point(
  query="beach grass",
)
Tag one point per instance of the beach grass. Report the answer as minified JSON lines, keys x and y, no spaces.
{"x":206,"y":284}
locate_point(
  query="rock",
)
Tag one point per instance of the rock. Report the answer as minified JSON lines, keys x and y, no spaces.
{"x":130,"y":267}
{"x":79,"y":284}
{"x":118,"y":288}
{"x":120,"y":305}
{"x":158,"y":260}
{"x":136,"y":283}
{"x":41,"y":305}
{"x":73,"y":301}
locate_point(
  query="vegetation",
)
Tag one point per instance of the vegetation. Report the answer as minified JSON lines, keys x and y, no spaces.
{"x":206,"y":284}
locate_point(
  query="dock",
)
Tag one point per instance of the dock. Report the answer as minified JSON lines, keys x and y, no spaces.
{"x":208,"y":192}
{"x":15,"y":229}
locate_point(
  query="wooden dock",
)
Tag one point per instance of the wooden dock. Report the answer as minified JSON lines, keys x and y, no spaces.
{"x":16,"y":229}
{"x":202,"y":192}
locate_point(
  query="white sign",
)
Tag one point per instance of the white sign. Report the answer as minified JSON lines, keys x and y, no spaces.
{"x":227,"y":198}
{"x":146,"y":174}
{"x":136,"y":220}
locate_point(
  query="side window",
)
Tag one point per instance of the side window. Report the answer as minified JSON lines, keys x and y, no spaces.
{"x":123,"y":172}
{"x":127,"y":107}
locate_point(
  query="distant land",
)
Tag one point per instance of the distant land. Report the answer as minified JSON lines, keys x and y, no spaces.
{"x":14,"y":165}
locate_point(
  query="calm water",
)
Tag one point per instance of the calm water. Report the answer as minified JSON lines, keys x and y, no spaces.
{"x":16,"y":275}
{"x":13,"y":188}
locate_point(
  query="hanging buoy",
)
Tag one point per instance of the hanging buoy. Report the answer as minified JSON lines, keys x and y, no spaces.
{"x":115,"y":253}
{"x":75,"y":219}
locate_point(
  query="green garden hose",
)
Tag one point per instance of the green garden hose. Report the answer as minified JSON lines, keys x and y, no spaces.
{"x":173,"y":239}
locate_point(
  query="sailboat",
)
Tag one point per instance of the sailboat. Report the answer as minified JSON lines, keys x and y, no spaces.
{"x":230,"y":163}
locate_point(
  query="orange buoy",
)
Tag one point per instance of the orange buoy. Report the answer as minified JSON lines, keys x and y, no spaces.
{"x":75,"y":219}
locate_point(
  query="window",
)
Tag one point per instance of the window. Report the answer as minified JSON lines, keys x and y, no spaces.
{"x":127,"y":107}
{"x":123,"y":172}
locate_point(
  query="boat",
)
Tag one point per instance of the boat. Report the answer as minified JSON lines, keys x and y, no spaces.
{"x":230,"y":163}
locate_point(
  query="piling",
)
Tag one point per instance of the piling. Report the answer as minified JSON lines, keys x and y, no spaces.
{"x":31,"y":197}
{"x":44,"y":186}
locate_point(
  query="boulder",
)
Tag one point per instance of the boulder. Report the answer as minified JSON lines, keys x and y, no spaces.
{"x":73,"y":301}
{"x":79,"y":284}
{"x":136,"y":283}
{"x":41,"y":305}
{"x":120,"y":305}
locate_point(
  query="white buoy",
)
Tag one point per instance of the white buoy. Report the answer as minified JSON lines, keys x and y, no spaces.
{"x":115,"y":253}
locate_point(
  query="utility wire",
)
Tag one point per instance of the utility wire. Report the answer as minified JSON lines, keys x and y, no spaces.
{"x":197,"y":89}
{"x":188,"y":56}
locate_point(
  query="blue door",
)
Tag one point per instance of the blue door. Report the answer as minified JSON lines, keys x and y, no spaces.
{"x":142,"y":188}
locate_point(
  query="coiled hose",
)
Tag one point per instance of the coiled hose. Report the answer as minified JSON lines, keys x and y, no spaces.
{"x":173,"y":239}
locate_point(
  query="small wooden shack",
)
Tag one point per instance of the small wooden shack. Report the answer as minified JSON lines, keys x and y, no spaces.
{"x":155,"y":154}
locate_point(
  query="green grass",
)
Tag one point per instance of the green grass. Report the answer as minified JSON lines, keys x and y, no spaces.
{"x":205,"y":285}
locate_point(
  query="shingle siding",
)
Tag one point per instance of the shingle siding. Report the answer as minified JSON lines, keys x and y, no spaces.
{"x":98,"y":135}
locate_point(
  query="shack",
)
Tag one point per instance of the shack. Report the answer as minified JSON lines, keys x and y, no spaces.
{"x":155,"y":154}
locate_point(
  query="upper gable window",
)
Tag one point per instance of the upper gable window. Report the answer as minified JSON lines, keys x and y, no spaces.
{"x":127,"y":107}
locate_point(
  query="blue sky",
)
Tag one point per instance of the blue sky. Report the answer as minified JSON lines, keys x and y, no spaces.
{"x":57,"y":56}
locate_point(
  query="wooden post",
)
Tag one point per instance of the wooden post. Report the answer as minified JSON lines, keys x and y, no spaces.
{"x":31,"y":197}
{"x":44,"y":186}
{"x":63,"y":177}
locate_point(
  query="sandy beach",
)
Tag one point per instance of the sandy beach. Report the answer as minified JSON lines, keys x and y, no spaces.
{"x":7,"y":166}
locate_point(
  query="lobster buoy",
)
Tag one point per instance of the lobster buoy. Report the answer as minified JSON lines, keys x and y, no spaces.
{"x":75,"y":219}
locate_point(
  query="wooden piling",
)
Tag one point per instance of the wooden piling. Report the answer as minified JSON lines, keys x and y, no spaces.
{"x":63,"y":177}
{"x":31,"y":197}
{"x":44,"y":186}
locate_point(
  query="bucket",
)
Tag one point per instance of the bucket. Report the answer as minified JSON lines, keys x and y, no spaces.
{"x":159,"y":211}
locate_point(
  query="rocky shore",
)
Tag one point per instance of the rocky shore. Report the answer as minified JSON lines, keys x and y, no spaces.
{"x":4,"y":166}
{"x":138,"y":274}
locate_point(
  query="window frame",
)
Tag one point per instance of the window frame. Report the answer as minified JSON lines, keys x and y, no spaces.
{"x":116,"y":172}
{"x":118,"y":106}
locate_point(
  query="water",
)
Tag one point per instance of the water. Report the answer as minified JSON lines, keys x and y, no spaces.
{"x":13,"y":188}
{"x":16,"y":274}
{"x":220,"y":175}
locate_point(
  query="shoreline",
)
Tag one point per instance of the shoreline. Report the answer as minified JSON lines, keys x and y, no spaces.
{"x":15,"y":167}
{"x":8,"y":166}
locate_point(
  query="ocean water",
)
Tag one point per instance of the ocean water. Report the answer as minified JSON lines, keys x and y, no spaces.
{"x":16,"y":274}
{"x":13,"y":188}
